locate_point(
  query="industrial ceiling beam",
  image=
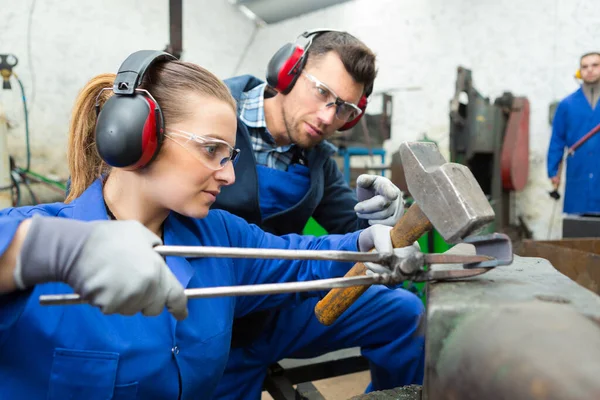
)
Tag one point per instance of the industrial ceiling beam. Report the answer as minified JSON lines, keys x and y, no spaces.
{"x":175,"y":45}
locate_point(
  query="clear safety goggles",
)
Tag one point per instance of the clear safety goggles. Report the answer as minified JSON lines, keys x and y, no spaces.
{"x":344,"y":111}
{"x":212,"y":152}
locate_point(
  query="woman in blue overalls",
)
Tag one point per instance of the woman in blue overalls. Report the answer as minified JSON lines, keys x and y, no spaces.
{"x":130,"y":191}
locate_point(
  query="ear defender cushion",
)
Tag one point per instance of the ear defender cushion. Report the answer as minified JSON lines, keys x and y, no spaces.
{"x":118,"y":128}
{"x":362,"y":104}
{"x":578,"y":74}
{"x":279,"y":70}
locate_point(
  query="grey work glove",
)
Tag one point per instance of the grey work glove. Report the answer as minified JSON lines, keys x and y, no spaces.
{"x":380,"y":201}
{"x":111,"y":264}
{"x":378,"y":237}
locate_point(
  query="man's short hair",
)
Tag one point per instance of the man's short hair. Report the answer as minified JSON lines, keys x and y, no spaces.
{"x":592,"y":53}
{"x":358,"y":59}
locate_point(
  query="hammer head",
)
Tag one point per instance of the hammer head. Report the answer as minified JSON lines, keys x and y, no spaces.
{"x":447,"y":193}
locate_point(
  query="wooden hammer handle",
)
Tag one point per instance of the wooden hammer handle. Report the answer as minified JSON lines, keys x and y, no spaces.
{"x":407,"y":230}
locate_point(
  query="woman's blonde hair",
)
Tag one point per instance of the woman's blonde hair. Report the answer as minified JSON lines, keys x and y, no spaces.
{"x":169,"y":83}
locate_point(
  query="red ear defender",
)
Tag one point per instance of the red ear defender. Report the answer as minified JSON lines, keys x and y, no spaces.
{"x":130,"y":125}
{"x":362,"y":104}
{"x":284,"y":67}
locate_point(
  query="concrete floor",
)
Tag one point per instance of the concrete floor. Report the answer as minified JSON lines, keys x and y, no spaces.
{"x":339,"y":388}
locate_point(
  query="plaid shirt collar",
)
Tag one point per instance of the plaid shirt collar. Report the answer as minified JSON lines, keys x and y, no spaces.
{"x":251,"y":111}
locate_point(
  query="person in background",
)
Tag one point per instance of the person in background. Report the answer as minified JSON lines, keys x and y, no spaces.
{"x":285,"y":176}
{"x":576,"y":115}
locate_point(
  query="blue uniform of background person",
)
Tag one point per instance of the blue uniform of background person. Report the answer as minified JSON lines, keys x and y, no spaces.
{"x":60,"y":352}
{"x":575,"y":117}
{"x":383,"y":322}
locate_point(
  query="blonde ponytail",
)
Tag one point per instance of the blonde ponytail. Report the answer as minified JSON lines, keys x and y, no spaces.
{"x":85,"y":164}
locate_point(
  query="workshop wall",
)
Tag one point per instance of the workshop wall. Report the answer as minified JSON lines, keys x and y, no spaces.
{"x":70,"y":41}
{"x":529,"y":48}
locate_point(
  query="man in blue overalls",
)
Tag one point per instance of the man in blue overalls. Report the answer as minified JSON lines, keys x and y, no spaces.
{"x":285,"y":175}
{"x":576,"y":115}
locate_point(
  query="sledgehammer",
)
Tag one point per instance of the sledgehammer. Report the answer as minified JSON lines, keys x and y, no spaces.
{"x":447,"y":197}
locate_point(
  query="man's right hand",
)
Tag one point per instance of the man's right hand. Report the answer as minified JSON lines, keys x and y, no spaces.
{"x":555,"y":180}
{"x":111,"y":264}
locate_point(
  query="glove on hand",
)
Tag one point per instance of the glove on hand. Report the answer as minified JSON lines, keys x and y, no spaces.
{"x":380,"y":201}
{"x":378,"y":237}
{"x":111,"y":264}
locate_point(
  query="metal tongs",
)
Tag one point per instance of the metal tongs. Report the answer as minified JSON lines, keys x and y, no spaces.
{"x":491,"y":251}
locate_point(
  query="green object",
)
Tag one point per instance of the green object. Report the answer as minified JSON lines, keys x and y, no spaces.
{"x":313,"y":228}
{"x":431,"y":242}
{"x":51,"y":182}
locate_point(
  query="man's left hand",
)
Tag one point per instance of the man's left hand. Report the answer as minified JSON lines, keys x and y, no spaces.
{"x":380,"y":201}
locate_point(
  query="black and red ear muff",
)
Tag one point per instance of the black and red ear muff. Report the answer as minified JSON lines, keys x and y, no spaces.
{"x":129,"y":131}
{"x":284,"y":67}
{"x":362,"y":104}
{"x":287,"y":63}
{"x":130,"y":126}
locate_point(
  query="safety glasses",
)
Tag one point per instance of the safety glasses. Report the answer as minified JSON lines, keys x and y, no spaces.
{"x":212,"y":152}
{"x":344,"y":111}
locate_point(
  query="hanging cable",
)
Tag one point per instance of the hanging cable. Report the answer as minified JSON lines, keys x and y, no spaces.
{"x":29,"y":57}
{"x":26,"y":113}
{"x":16,"y":191}
{"x":34,"y":198}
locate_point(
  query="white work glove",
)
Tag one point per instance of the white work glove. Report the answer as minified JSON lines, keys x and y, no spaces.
{"x":378,"y":237}
{"x":380,"y":201}
{"x":111,"y":264}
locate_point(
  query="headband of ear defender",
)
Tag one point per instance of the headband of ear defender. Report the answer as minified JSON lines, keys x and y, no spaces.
{"x":287,"y":63}
{"x":130,"y":125}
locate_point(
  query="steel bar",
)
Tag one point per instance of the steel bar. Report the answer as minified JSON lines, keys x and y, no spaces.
{"x":241,"y":290}
{"x":283,"y":254}
{"x":332,"y":255}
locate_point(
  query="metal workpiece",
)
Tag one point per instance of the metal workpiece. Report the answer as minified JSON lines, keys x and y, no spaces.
{"x":524,"y":331}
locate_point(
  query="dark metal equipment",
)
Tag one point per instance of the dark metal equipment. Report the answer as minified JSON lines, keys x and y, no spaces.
{"x":372,"y":131}
{"x":175,"y":46}
{"x":366,"y":139}
{"x":282,"y":376}
{"x":492,"y":139}
{"x":581,"y":226}
{"x":7,"y":63}
{"x":524,"y":331}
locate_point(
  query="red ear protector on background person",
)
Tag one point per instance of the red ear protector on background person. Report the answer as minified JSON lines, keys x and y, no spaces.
{"x":130,"y":126}
{"x":287,"y":63}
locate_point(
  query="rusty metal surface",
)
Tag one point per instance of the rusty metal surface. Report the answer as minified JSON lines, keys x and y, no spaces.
{"x":579,"y":259}
{"x":175,"y":45}
{"x":523,"y":331}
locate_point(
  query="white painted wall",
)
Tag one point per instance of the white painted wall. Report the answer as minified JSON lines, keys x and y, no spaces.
{"x":530,"y":48}
{"x":73,"y":40}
